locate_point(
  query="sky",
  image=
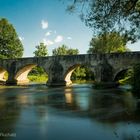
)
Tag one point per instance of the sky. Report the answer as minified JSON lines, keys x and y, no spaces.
{"x":47,"y":21}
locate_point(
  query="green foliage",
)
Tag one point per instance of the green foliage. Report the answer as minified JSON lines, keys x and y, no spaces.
{"x":2,"y":56}
{"x":64,"y":50}
{"x":10,"y":44}
{"x":41,"y":50}
{"x":136,"y":80}
{"x":107,"y":16}
{"x":72,"y":51}
{"x":79,"y":73}
{"x":37,"y":71}
{"x":82,"y":73}
{"x":107,"y":43}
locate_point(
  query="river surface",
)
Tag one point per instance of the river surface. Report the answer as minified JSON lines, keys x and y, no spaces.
{"x":80,"y":112}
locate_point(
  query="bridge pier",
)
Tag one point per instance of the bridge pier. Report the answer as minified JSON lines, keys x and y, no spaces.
{"x":55,"y":79}
{"x":12,"y":80}
{"x":104,"y":76}
{"x":55,"y":74}
{"x":16,"y":82}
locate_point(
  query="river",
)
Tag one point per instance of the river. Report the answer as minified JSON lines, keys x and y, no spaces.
{"x":79,"y":112}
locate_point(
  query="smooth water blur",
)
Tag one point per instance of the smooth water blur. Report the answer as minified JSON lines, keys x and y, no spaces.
{"x":73,"y":113}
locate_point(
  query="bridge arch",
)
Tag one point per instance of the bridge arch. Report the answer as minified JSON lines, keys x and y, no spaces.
{"x":22,"y":72}
{"x":71,"y":69}
{"x":3,"y":74}
{"x":121,"y":73}
{"x":21,"y":75}
{"x":67,"y":76}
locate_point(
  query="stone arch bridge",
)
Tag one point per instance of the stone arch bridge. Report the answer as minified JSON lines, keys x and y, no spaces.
{"x":59,"y":68}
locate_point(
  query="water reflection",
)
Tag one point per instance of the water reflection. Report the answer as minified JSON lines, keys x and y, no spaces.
{"x":78,"y":112}
{"x":68,"y":95}
{"x":9,"y":113}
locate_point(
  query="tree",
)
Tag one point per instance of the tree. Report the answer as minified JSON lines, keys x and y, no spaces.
{"x":107,"y":43}
{"x":73,"y":51}
{"x":82,"y":73}
{"x":79,"y":73}
{"x":10,"y":44}
{"x":41,"y":50}
{"x":110,"y":15}
{"x":64,"y":50}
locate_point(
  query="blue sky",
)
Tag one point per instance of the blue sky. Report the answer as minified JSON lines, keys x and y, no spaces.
{"x":47,"y":21}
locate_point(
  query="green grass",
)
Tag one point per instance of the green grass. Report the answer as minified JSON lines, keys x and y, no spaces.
{"x":38,"y":78}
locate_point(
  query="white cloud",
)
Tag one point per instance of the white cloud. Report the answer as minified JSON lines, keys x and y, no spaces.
{"x":44,"y":24}
{"x":59,"y":38}
{"x":55,"y":31}
{"x":48,"y":42}
{"x":69,"y":38}
{"x":48,"y":33}
{"x":21,"y":38}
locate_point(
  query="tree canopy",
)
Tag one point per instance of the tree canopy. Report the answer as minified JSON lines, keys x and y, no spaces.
{"x":108,"y":43}
{"x":10,"y":44}
{"x":110,"y":15}
{"x":41,"y":50}
{"x":64,"y":50}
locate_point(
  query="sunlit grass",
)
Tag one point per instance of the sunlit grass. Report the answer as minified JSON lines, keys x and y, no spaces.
{"x":126,"y":80}
{"x":38,"y":78}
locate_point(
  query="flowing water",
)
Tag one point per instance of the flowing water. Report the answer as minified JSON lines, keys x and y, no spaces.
{"x":79,"y":112}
